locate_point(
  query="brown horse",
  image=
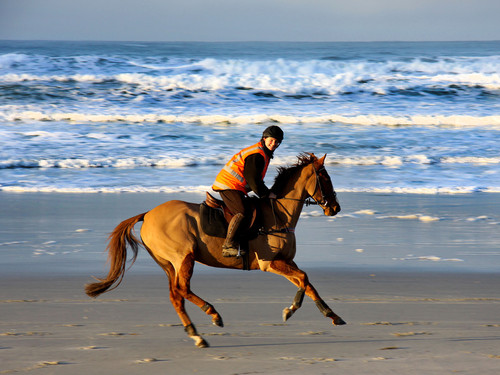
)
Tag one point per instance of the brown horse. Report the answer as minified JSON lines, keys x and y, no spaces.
{"x":172,"y":234}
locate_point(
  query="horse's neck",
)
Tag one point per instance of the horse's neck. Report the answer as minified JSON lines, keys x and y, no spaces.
{"x":289,"y":207}
{"x":291,"y":211}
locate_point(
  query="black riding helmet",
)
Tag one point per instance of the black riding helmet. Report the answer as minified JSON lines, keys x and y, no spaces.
{"x":274,"y":132}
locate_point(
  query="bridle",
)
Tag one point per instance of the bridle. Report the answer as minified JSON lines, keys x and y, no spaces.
{"x":323,"y":203}
{"x":325,"y":199}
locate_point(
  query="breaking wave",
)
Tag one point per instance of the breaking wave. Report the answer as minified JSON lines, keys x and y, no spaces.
{"x":417,"y":120}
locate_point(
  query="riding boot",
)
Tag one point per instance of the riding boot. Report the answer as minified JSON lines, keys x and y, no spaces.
{"x":231,"y":246}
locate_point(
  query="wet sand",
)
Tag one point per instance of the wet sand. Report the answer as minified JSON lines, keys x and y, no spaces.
{"x":403,"y":317}
{"x":420,"y":323}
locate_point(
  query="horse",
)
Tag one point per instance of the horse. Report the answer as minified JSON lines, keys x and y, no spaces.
{"x":172,"y":234}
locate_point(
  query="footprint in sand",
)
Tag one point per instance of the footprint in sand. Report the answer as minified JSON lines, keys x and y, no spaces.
{"x":52,"y":363}
{"x":394,"y":323}
{"x":390,"y":348}
{"x":46,"y":364}
{"x":404,"y":334}
{"x":310,"y":361}
{"x":39,"y":365}
{"x":92,"y":347}
{"x":118,"y":334}
{"x":313,"y":333}
{"x":25,"y":334}
{"x":73,"y":325}
{"x":221,"y":358}
{"x":148,"y":360}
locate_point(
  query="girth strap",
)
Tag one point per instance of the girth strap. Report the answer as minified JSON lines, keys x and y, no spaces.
{"x":273,"y":231}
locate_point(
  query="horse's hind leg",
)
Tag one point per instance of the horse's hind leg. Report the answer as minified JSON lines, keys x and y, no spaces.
{"x":300,"y":279}
{"x":178,"y":303}
{"x":184,"y":283}
{"x":177,"y":300}
{"x":296,"y":304}
{"x":180,"y":290}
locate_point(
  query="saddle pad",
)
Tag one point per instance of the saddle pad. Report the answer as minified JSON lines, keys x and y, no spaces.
{"x":213,"y":222}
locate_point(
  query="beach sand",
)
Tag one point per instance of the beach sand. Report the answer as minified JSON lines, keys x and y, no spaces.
{"x":403,"y":317}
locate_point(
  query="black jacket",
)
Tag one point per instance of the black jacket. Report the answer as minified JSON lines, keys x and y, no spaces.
{"x":254,"y":165}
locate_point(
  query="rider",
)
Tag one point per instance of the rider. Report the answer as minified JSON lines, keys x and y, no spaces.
{"x":244,"y":173}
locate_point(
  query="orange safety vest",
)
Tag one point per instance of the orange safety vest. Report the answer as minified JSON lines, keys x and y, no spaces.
{"x":231,"y":176}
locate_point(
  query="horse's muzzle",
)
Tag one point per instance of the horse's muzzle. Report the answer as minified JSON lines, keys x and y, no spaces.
{"x":332,"y":210}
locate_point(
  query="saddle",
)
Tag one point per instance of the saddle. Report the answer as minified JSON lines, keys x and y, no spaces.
{"x":215,"y":217}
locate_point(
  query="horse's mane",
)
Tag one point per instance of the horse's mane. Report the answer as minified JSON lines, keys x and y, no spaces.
{"x":285,"y":173}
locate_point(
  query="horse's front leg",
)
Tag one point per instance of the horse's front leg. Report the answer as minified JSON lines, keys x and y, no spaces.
{"x":300,"y":279}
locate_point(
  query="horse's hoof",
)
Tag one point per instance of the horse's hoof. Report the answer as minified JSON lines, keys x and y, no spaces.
{"x":287,"y":314}
{"x":202,"y":344}
{"x":218,"y":322}
{"x":338,"y":321}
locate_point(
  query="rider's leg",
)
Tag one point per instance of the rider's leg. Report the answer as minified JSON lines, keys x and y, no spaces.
{"x":234,"y":201}
{"x":231,"y":246}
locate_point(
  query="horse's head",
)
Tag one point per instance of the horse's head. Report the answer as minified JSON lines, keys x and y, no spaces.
{"x":314,"y":183}
{"x":322,"y":189}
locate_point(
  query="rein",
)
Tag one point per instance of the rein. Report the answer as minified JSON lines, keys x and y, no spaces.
{"x":281,"y":230}
{"x":308,"y":201}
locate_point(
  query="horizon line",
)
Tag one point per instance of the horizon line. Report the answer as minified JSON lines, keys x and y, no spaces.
{"x":249,"y":41}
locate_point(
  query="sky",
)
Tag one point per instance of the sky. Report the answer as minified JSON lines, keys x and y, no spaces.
{"x":250,"y":20}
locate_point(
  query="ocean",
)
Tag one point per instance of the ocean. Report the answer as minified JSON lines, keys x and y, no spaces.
{"x":164,"y":117}
{"x":403,"y":119}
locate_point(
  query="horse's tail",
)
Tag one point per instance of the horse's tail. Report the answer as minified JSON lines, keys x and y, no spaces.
{"x":117,"y":256}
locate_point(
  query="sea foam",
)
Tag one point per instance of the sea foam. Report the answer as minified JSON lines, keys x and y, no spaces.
{"x":365,"y":120}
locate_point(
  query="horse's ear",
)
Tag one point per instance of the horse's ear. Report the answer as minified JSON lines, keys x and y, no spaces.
{"x":322,"y":160}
